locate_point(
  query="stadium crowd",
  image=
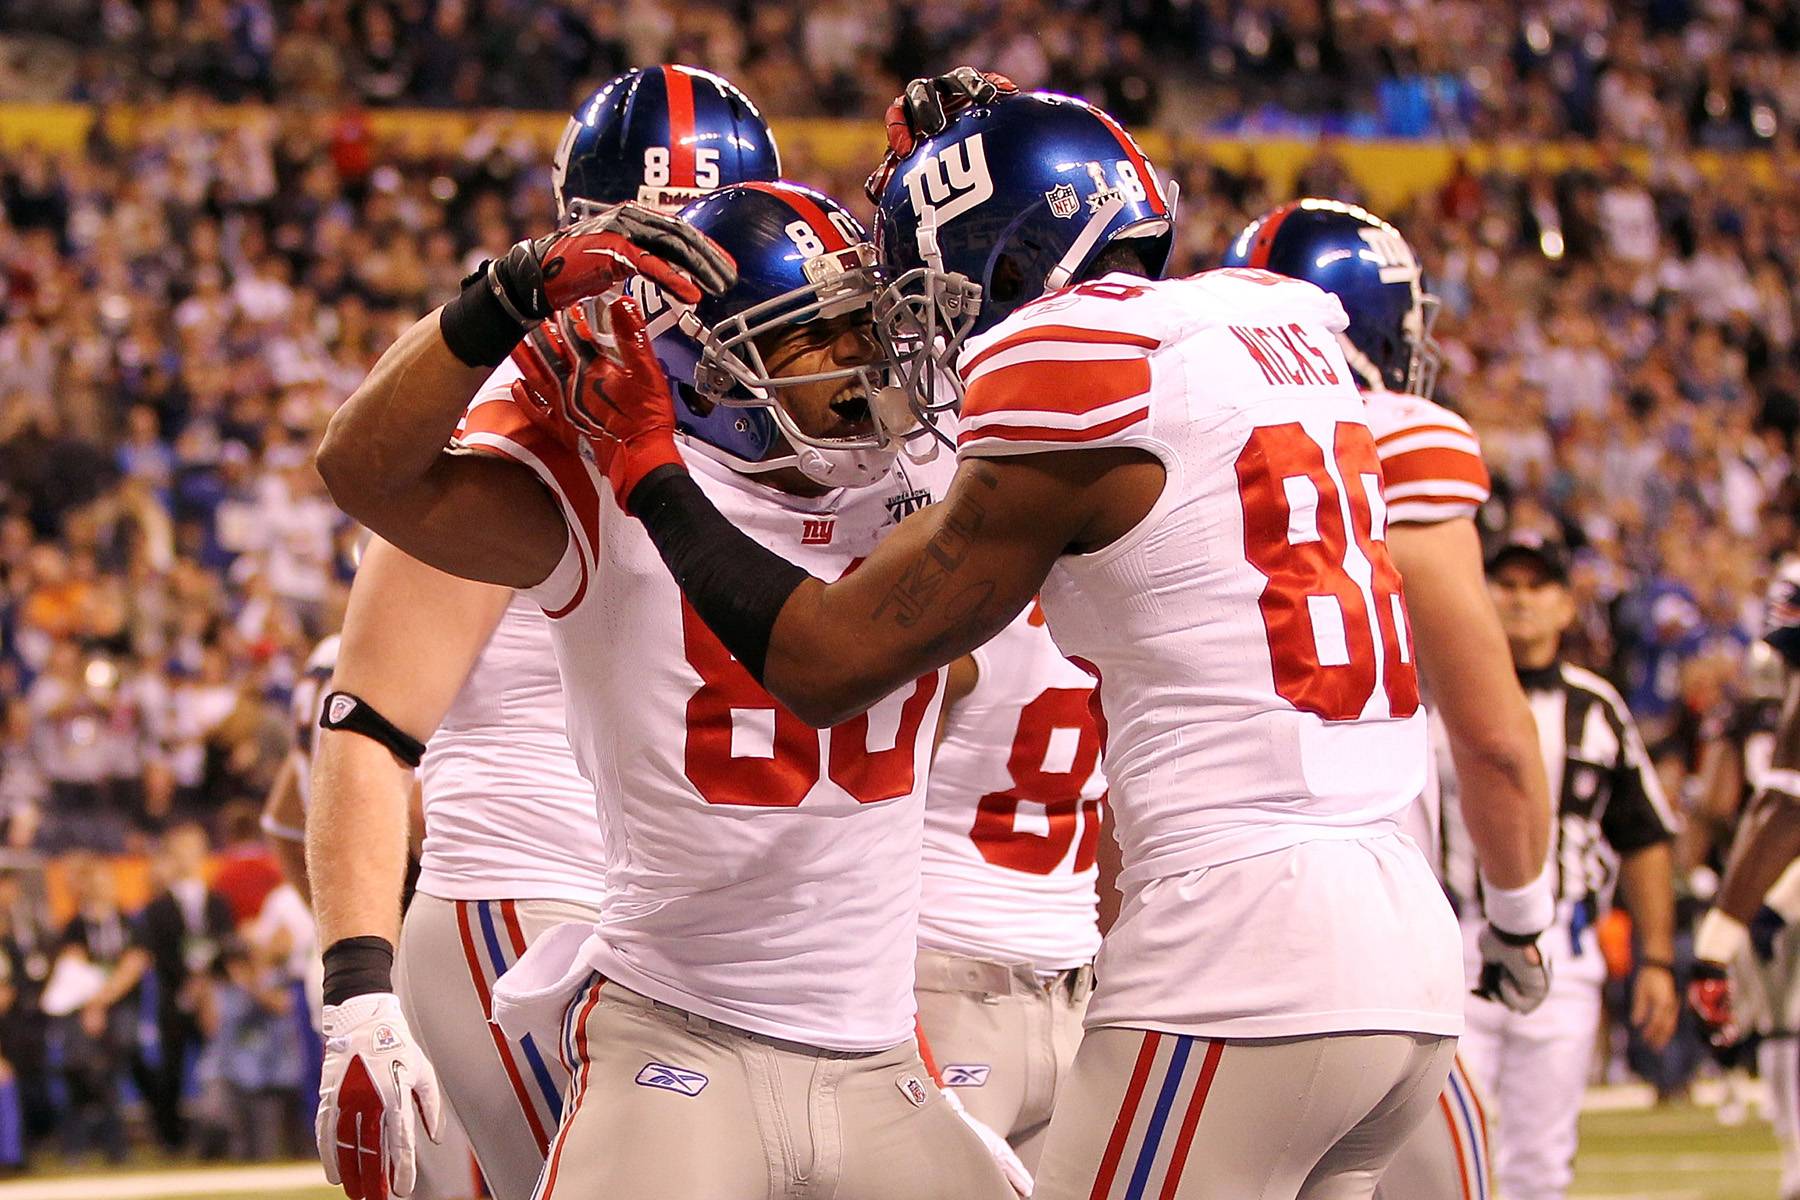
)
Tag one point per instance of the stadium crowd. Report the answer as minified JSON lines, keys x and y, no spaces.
{"x":181,"y":310}
{"x":1661,"y":73}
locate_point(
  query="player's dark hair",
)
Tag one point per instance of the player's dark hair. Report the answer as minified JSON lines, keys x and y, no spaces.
{"x":1122,"y":254}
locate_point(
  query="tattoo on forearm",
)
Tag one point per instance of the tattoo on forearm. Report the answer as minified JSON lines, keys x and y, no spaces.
{"x":927,"y":583}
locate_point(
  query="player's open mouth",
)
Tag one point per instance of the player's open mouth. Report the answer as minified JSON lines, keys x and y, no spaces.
{"x":851,"y":407}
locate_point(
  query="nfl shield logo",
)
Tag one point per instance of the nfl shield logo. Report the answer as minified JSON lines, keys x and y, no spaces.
{"x":1064,"y":202}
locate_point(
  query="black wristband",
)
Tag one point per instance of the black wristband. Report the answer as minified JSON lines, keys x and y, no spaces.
{"x":1515,"y":939}
{"x":737,"y":585}
{"x":357,"y":966}
{"x":476,"y":326}
{"x":1657,"y":964}
{"x":353,"y":714}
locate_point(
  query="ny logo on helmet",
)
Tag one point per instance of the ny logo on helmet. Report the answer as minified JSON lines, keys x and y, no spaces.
{"x":1391,"y":254}
{"x":952,"y":181}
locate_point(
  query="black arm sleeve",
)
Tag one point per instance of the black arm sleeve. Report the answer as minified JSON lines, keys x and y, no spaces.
{"x":736,"y":585}
{"x":1636,"y":816}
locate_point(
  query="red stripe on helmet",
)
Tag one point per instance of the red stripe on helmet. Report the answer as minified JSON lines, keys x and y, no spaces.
{"x":808,"y":209}
{"x":679,"y":86}
{"x":1263,"y":244}
{"x":1145,"y":173}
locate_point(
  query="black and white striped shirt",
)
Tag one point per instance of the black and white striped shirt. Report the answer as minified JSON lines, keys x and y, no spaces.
{"x":1609,"y":801}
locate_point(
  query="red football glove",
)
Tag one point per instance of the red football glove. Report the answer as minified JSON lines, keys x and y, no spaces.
{"x":590,"y":372}
{"x":925,"y":108}
{"x":544,"y":275}
{"x":1709,"y":995}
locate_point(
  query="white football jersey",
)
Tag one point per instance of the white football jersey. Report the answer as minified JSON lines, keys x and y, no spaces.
{"x":1012,"y":817}
{"x":1431,"y":462}
{"x":1432,"y":472}
{"x":1250,"y":636}
{"x":508,"y":815}
{"x":759,"y":872}
{"x":303,"y":708}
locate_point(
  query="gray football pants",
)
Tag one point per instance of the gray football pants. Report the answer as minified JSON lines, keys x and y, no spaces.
{"x":506,"y":1093}
{"x":1003,"y":1038}
{"x":666,"y":1105}
{"x":1187,"y":1118}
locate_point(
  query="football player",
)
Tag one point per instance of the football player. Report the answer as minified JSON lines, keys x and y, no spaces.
{"x":740,"y":1017}
{"x":1008,"y":921}
{"x":1184,"y":470}
{"x":1747,"y":932}
{"x":1433,"y":482}
{"x":512,"y":844}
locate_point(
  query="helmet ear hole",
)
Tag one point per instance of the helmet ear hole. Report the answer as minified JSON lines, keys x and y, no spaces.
{"x":1007,"y":284}
{"x":699,"y":404}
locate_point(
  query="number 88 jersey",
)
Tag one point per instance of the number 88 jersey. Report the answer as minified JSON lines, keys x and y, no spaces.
{"x":1012,"y":816}
{"x":1250,"y":634}
{"x":759,"y":872}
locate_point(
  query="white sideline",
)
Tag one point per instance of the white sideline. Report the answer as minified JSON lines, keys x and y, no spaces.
{"x":168,"y":1185}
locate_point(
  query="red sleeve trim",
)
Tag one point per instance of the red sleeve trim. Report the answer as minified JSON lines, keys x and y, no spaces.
{"x":1059,"y":333}
{"x":1070,"y":389}
{"x":1046,"y":433}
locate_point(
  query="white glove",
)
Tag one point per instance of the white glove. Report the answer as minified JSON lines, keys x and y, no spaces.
{"x":1010,"y":1166}
{"x":375,"y":1086}
{"x":1513,"y":969}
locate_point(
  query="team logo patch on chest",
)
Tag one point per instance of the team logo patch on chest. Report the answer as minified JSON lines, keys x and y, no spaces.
{"x":906,"y":504}
{"x":817,"y":532}
{"x":671,"y":1079}
{"x":966,"y":1074}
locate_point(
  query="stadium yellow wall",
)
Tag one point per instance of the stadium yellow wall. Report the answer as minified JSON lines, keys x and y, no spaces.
{"x":1390,"y":172}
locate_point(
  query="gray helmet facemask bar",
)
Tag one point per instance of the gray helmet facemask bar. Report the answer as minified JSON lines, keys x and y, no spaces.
{"x":923,"y":319}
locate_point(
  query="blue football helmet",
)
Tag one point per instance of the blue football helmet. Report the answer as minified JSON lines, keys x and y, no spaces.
{"x":801,"y":257}
{"x":1012,"y":200}
{"x":1367,"y":264}
{"x":1781,"y":611}
{"x":662,"y":136}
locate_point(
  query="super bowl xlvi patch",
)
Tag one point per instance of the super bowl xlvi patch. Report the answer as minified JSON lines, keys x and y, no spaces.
{"x":913,"y":1090}
{"x":1063,"y":200}
{"x":386,"y":1038}
{"x":671,"y":1079}
{"x":966,"y":1074}
{"x":906,"y":504}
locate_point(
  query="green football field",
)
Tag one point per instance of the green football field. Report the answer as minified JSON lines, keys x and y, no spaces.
{"x":1677,"y":1153}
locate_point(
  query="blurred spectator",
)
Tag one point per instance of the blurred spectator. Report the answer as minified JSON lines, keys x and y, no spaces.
{"x":247,"y":871}
{"x":93,"y":994}
{"x":70,"y":705}
{"x":25,"y":953}
{"x":251,"y":1069}
{"x":184,"y":928}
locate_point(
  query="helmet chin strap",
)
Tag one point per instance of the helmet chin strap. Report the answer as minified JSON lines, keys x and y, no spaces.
{"x":1069,"y":263}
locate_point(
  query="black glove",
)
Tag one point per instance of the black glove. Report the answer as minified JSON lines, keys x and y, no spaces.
{"x":1513,"y":970}
{"x":925,"y":108}
{"x":1765,"y":927}
{"x":1709,"y":995}
{"x":540,"y":276}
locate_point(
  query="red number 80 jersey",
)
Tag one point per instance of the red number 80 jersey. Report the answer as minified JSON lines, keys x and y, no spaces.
{"x":759,"y":872}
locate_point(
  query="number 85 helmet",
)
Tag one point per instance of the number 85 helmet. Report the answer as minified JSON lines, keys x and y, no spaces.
{"x":801,"y":258}
{"x":662,"y":136}
{"x":1364,"y":261}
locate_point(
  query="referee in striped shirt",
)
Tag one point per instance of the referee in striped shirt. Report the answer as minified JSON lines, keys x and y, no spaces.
{"x":1612,"y":826}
